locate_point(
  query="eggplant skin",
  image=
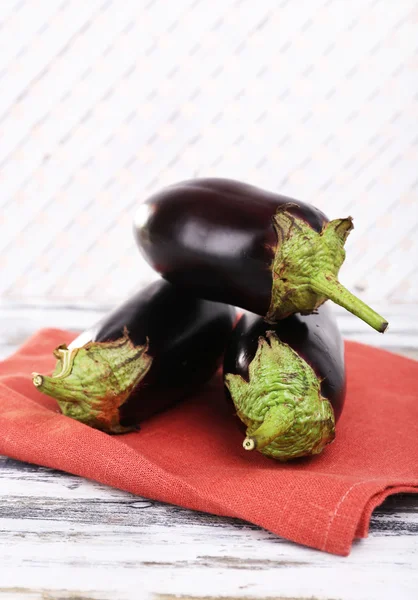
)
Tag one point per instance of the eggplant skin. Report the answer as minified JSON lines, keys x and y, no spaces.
{"x":216,"y":237}
{"x":315,"y":338}
{"x":142,"y":358}
{"x":187,"y":337}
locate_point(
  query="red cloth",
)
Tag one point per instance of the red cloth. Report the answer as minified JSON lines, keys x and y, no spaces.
{"x":192,"y":455}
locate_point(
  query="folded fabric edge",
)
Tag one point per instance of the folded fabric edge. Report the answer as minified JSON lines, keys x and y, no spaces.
{"x":375,"y":501}
{"x":352,"y":514}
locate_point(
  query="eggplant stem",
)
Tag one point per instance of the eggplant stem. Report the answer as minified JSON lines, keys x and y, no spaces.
{"x":92,"y":382}
{"x":329,"y":286}
{"x":49,"y":386}
{"x":248,"y":443}
{"x":281,"y":403}
{"x":277,"y":421}
{"x":37,"y":379}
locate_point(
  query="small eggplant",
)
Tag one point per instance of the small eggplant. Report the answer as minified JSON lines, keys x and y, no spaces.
{"x":141,"y":359}
{"x":287,"y":382}
{"x":231,"y":242}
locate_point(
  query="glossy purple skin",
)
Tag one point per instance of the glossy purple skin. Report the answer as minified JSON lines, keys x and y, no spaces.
{"x":216,"y":238}
{"x":187,"y":337}
{"x":316,"y":338}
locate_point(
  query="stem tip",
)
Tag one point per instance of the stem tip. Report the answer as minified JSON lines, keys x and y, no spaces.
{"x":384,"y":327}
{"x":248,"y":444}
{"x":37,"y":379}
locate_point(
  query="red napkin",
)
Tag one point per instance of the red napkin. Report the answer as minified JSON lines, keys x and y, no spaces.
{"x":192,"y":455}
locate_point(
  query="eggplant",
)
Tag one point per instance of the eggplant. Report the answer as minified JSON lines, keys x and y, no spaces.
{"x":142,"y":358}
{"x":287,"y":382}
{"x":235,"y":243}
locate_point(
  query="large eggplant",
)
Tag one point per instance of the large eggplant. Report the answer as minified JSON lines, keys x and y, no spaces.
{"x":139,"y":360}
{"x":231,"y":242}
{"x":287,"y":382}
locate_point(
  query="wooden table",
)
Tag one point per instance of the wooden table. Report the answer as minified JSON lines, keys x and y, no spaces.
{"x":63,"y":537}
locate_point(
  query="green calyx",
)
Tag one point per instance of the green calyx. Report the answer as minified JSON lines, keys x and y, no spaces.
{"x":91,"y":383}
{"x":281,"y":403}
{"x":305,"y":269}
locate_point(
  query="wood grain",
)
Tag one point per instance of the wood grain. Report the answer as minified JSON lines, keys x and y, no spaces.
{"x":66,"y":537}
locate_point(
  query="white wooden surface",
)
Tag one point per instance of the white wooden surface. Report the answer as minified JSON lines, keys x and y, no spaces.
{"x":63,"y":537}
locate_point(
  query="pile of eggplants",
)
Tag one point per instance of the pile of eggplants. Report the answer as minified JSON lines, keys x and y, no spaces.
{"x":220,"y":244}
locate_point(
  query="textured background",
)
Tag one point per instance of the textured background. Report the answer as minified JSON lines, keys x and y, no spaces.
{"x":104,"y":102}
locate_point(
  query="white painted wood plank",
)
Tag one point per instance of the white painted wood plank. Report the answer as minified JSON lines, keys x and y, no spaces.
{"x":74,"y":536}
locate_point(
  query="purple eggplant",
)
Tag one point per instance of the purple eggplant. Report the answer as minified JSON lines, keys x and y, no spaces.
{"x":141,"y":359}
{"x":231,"y":242}
{"x":287,"y":382}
